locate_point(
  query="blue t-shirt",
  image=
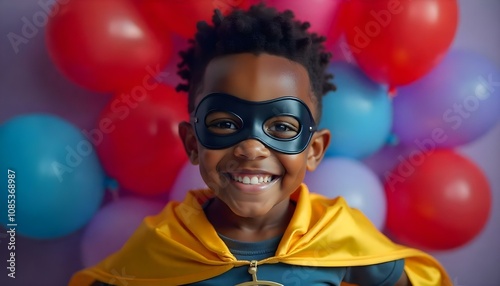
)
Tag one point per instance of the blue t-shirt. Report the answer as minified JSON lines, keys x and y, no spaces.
{"x":384,"y":274}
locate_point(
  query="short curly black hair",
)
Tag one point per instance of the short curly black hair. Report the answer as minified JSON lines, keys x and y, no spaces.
{"x":260,"y":29}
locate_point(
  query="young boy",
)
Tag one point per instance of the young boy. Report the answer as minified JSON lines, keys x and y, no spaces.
{"x":255,"y":80}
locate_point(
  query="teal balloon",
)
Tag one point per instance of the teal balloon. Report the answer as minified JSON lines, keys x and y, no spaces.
{"x":59,"y":182}
{"x":358,"y":113}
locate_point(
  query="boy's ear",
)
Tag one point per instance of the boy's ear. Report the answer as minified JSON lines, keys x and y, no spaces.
{"x":317,"y":148}
{"x":188,"y":138}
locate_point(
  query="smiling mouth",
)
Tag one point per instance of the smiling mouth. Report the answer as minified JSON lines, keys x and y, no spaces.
{"x":252,"y":179}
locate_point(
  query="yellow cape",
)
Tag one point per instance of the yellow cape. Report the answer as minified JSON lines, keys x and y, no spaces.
{"x":180,"y":246}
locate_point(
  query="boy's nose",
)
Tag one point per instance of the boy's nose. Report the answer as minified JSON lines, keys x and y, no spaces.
{"x":251,"y":149}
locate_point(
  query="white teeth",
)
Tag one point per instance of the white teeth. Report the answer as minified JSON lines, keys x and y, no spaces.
{"x":246,"y":180}
{"x":255,"y":180}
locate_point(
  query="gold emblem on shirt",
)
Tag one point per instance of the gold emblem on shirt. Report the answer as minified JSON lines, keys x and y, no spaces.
{"x":252,"y":269}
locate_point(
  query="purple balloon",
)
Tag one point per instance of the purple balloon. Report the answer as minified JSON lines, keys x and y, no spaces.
{"x":354,"y":181}
{"x":189,"y":178}
{"x":386,"y":159}
{"x":456,"y":103}
{"x":112,"y":226}
{"x":171,"y":77}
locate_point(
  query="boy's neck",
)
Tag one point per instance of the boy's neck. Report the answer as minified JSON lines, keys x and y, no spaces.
{"x":273,"y":224}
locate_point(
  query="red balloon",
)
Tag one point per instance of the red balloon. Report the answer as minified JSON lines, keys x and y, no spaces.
{"x":181,"y":16}
{"x":106,"y":46}
{"x":437,"y":200}
{"x":323,"y":15}
{"x":140,"y":146}
{"x":398,"y":41}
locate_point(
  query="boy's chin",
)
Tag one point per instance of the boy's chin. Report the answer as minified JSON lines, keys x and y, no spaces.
{"x":249,"y":212}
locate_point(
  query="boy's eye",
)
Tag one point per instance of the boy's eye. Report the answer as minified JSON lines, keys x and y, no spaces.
{"x":222,"y":126}
{"x":283,"y":127}
{"x":221,"y":123}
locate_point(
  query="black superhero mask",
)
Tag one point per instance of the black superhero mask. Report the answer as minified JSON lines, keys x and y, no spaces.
{"x":283,"y":124}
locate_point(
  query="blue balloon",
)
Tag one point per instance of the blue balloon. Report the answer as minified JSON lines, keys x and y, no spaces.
{"x":58,"y":181}
{"x":359,"y":113}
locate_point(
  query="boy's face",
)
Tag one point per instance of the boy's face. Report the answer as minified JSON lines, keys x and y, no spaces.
{"x":250,"y":177}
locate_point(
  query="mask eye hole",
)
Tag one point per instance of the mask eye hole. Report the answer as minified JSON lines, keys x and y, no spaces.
{"x":222,"y":123}
{"x":282,"y":127}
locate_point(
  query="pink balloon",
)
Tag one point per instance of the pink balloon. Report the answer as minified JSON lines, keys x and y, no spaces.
{"x":353,"y":181}
{"x":189,"y":178}
{"x":110,"y":228}
{"x":323,"y":15}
